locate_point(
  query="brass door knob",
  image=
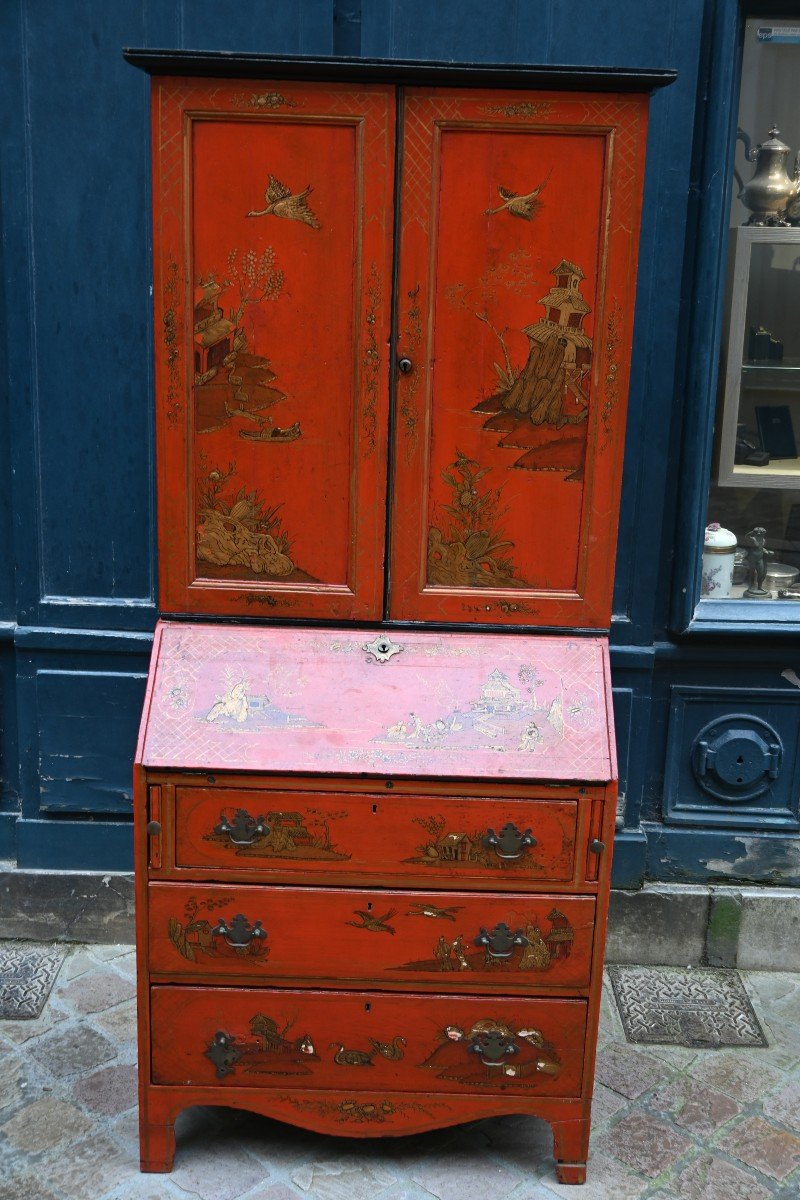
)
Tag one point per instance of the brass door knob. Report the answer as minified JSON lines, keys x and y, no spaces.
{"x":153,"y":828}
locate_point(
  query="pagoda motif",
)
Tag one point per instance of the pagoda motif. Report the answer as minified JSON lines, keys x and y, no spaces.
{"x":550,"y":392}
{"x":213,"y":332}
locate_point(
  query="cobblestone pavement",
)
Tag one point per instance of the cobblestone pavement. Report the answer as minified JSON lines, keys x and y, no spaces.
{"x":670,"y":1123}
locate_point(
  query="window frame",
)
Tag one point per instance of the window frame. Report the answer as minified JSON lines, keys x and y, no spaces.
{"x":706,"y":259}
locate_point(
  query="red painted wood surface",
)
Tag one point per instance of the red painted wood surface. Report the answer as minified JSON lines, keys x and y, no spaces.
{"x":379,"y":937}
{"x":367,"y":1114}
{"x":266,"y":1038}
{"x":435,"y":840}
{"x":519,"y":229}
{"x":461,"y":705}
{"x":272,"y":230}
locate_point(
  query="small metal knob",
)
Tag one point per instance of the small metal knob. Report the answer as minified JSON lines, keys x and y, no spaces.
{"x":405,"y":365}
{"x":153,"y":828}
{"x":596,"y":846}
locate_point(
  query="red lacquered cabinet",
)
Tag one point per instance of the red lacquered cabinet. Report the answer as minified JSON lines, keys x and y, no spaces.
{"x":393,"y":313}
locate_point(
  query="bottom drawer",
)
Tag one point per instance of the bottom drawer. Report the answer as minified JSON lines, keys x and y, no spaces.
{"x":266,"y":1038}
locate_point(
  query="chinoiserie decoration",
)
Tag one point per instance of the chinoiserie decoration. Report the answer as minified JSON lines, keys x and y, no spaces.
{"x":719,"y":553}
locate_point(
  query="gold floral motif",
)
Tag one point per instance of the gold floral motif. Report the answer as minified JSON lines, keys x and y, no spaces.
{"x":527,"y":108}
{"x":264,"y":100}
{"x":468,"y":547}
{"x":371,"y":363}
{"x":413,"y":339}
{"x":359,"y":1112}
{"x":174,"y":405}
{"x":613,"y":338}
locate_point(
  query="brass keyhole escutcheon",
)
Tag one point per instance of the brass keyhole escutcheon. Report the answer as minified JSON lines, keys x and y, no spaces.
{"x":405,"y":366}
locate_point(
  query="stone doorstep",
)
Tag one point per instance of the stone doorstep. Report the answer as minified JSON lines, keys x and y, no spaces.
{"x":661,"y":925}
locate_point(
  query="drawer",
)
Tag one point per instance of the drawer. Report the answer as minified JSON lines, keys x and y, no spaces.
{"x":440,"y":841}
{"x":390,"y":1042}
{"x":462,"y":941}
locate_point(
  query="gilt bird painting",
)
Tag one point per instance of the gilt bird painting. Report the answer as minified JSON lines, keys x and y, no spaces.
{"x":372,"y":923}
{"x":283,"y":202}
{"x":431,"y":910}
{"x":525,"y":207}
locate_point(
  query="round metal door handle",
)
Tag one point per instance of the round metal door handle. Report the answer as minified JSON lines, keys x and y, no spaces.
{"x":153,"y":828}
{"x":596,"y":846}
{"x":405,"y":365}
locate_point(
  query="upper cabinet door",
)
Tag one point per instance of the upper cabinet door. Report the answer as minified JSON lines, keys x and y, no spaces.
{"x":518,"y":241}
{"x":273,"y":242}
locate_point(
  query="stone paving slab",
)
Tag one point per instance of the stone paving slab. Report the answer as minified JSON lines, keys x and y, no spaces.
{"x":671,"y":1123}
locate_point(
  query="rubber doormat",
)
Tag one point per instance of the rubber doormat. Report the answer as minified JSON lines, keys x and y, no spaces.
{"x":28,"y":971}
{"x":673,"y":1007}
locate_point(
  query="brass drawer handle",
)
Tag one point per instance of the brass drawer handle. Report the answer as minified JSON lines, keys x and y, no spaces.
{"x":509,"y":843}
{"x":492,"y":1046}
{"x":240,"y":933}
{"x":501,"y":941}
{"x":242,"y":829}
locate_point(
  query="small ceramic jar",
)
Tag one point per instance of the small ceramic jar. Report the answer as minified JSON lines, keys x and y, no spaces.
{"x":719,"y":550}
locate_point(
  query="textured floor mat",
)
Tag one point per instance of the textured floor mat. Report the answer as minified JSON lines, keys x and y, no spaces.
{"x":27,"y":973}
{"x":674,"y":1007}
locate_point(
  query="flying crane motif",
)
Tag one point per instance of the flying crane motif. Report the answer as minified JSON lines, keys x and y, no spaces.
{"x":516,"y":205}
{"x":282,"y":202}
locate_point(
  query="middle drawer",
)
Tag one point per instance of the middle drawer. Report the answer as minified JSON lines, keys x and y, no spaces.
{"x":464,"y":940}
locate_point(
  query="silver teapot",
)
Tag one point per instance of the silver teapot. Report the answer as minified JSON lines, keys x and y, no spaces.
{"x":771,"y":190}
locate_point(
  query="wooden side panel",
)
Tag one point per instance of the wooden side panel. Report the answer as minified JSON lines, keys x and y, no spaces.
{"x":520,"y":217}
{"x":273,"y":258}
{"x":433,"y":840}
{"x":381,"y":937}
{"x":264,"y":1038}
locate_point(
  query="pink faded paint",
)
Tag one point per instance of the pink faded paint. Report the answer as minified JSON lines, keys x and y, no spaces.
{"x":315,"y":700}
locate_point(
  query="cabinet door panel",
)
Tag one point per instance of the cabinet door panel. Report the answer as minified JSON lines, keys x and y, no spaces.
{"x":273,"y":265}
{"x":519,"y":228}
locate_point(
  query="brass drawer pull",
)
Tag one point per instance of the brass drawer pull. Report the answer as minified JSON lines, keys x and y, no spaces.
{"x":242,"y":829}
{"x":492,"y":1046}
{"x":509,"y":843}
{"x":240,"y":933}
{"x":501,"y":941}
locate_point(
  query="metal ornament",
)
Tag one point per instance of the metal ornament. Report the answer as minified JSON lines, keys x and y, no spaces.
{"x":242,"y":829}
{"x":223,"y":1053}
{"x":757,"y":555}
{"x":509,"y":843}
{"x":501,"y":941}
{"x":382,"y":648}
{"x":771,"y":189}
{"x":240,"y":933}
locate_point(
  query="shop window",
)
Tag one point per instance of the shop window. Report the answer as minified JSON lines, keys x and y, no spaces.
{"x":752,"y":539}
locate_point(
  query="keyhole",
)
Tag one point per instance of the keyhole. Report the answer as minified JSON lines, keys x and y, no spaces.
{"x":739,"y":761}
{"x":369,"y":906}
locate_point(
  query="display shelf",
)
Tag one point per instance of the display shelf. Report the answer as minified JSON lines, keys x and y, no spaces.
{"x":763,"y":289}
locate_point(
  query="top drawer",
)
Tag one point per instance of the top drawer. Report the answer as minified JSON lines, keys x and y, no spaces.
{"x":437,"y":841}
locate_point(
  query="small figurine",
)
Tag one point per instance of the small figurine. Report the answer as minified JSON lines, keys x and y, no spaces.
{"x":757,"y":555}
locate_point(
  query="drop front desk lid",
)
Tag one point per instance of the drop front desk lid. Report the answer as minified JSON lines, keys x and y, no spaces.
{"x":450,"y":705}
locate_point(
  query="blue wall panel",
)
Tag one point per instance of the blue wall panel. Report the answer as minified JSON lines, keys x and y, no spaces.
{"x":86,"y":738}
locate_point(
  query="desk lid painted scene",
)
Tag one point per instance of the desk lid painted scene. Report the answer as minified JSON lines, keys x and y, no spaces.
{"x":356,"y":702}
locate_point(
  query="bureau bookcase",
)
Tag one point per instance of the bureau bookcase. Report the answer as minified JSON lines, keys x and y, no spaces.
{"x":374,"y":806}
